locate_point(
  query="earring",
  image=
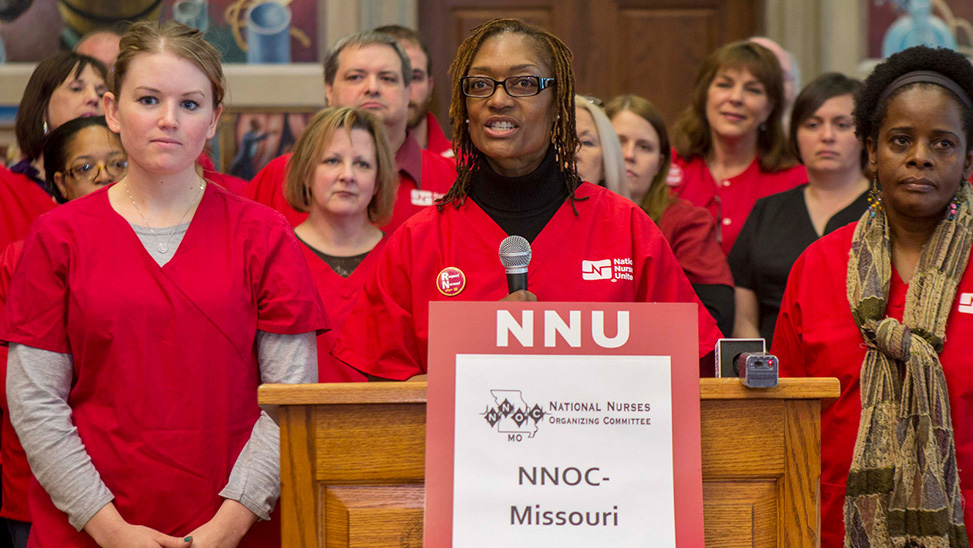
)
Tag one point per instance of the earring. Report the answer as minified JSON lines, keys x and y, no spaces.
{"x":874,"y":198}
{"x":762,"y":127}
{"x":467,"y":120}
{"x":44,"y":126}
{"x":953,"y":204}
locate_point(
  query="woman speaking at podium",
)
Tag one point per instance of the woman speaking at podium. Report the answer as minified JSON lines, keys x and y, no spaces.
{"x":514,"y":117}
{"x":885,"y":305}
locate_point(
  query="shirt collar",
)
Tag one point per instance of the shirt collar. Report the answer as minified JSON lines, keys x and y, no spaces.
{"x":409,"y":159}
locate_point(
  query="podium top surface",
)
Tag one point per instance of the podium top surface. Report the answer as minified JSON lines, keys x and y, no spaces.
{"x":415,"y":392}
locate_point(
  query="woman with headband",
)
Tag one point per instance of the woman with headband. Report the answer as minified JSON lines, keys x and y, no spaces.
{"x":885,"y":306}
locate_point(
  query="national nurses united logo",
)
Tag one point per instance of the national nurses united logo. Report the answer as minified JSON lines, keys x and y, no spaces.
{"x":451,"y":281}
{"x":510,"y":414}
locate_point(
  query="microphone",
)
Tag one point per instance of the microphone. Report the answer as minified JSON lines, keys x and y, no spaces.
{"x":515,"y":256}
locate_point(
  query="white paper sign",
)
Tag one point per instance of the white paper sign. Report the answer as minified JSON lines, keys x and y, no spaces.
{"x":567,"y":451}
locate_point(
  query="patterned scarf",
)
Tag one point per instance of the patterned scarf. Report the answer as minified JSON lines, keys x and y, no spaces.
{"x":903,"y":487}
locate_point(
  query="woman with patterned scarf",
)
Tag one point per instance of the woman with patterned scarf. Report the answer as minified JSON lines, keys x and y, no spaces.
{"x":886,"y":305}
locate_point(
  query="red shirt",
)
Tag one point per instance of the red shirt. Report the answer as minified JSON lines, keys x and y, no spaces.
{"x":730,"y":201}
{"x":424,"y":177}
{"x":817,"y":337}
{"x":609,"y":252}
{"x":21,"y":201}
{"x":16,"y":475}
{"x":229,"y":182}
{"x":436,"y":141}
{"x":164,"y":395}
{"x":338,"y":295}
{"x":691,"y":233}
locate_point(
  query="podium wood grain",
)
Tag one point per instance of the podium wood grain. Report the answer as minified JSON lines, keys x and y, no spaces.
{"x":353,"y":457}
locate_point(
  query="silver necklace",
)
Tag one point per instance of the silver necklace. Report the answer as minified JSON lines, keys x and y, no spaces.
{"x":163,"y":247}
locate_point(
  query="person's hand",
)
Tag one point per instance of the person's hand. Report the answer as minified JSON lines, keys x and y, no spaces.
{"x":226,"y":529}
{"x":521,"y":296}
{"x":110,"y":530}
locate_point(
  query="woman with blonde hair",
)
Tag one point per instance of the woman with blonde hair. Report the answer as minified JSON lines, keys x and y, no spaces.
{"x":729,"y":142}
{"x":599,"y":153}
{"x":343,"y":175}
{"x":690,"y":230}
{"x":141,"y":320}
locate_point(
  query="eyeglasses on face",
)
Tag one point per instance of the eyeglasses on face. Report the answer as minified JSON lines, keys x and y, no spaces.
{"x":515,"y":86}
{"x":85,"y":171}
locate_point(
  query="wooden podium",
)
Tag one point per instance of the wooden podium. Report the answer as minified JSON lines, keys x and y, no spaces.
{"x":353,"y":463}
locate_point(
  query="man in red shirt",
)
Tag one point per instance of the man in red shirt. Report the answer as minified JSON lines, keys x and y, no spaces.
{"x":422,"y":123}
{"x":371,"y":71}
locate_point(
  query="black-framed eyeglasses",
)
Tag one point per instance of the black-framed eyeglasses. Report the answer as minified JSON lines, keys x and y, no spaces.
{"x":116,"y":168}
{"x":482,"y":87}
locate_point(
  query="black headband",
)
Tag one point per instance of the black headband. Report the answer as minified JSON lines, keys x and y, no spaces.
{"x":927,"y":77}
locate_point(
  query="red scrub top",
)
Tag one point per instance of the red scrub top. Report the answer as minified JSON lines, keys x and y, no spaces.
{"x":691,"y":233}
{"x":21,"y":201}
{"x":817,"y":337}
{"x":729,"y":201}
{"x":16,"y":474}
{"x":235,"y":185}
{"x":424,"y":177}
{"x":338,"y":295}
{"x":436,"y":140}
{"x":164,"y":395}
{"x":609,"y":252}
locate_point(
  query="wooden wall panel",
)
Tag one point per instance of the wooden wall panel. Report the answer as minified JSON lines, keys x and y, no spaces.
{"x":649,"y":47}
{"x":663,"y":68}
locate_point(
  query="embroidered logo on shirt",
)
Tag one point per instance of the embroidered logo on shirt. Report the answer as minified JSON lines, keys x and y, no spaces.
{"x":966,"y":303}
{"x":451,"y":281}
{"x":607,"y":269}
{"x":424,"y":197}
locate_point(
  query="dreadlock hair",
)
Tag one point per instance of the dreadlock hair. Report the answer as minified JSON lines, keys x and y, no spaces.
{"x":870,"y":112}
{"x":564,"y":137}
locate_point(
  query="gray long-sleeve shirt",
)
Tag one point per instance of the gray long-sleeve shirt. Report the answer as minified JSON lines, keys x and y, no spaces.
{"x":39,"y":381}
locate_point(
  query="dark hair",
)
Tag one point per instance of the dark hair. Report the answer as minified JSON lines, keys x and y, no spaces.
{"x":360,"y":40}
{"x":49,"y":74}
{"x":816,"y":93}
{"x":174,"y":38}
{"x":405,"y":34}
{"x":56,"y":149}
{"x":692,"y":135}
{"x":564,"y":138}
{"x":658,"y":198}
{"x":870,"y":112}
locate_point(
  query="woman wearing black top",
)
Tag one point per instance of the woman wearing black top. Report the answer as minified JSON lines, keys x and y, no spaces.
{"x":782,"y":226}
{"x":515,"y":141}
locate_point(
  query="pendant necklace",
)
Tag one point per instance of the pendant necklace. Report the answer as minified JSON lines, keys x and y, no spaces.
{"x":163,"y":247}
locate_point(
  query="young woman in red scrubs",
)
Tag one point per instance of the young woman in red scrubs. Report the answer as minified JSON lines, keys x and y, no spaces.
{"x":729,"y":142}
{"x":343,"y":175}
{"x":513,"y":107}
{"x":886,"y":305}
{"x":80,"y":156}
{"x":141,"y":320}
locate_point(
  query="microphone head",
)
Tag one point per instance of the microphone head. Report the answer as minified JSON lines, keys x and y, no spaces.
{"x":515,"y":254}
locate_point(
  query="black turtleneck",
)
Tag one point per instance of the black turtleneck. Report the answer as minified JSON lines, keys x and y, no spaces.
{"x":522,"y":206}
